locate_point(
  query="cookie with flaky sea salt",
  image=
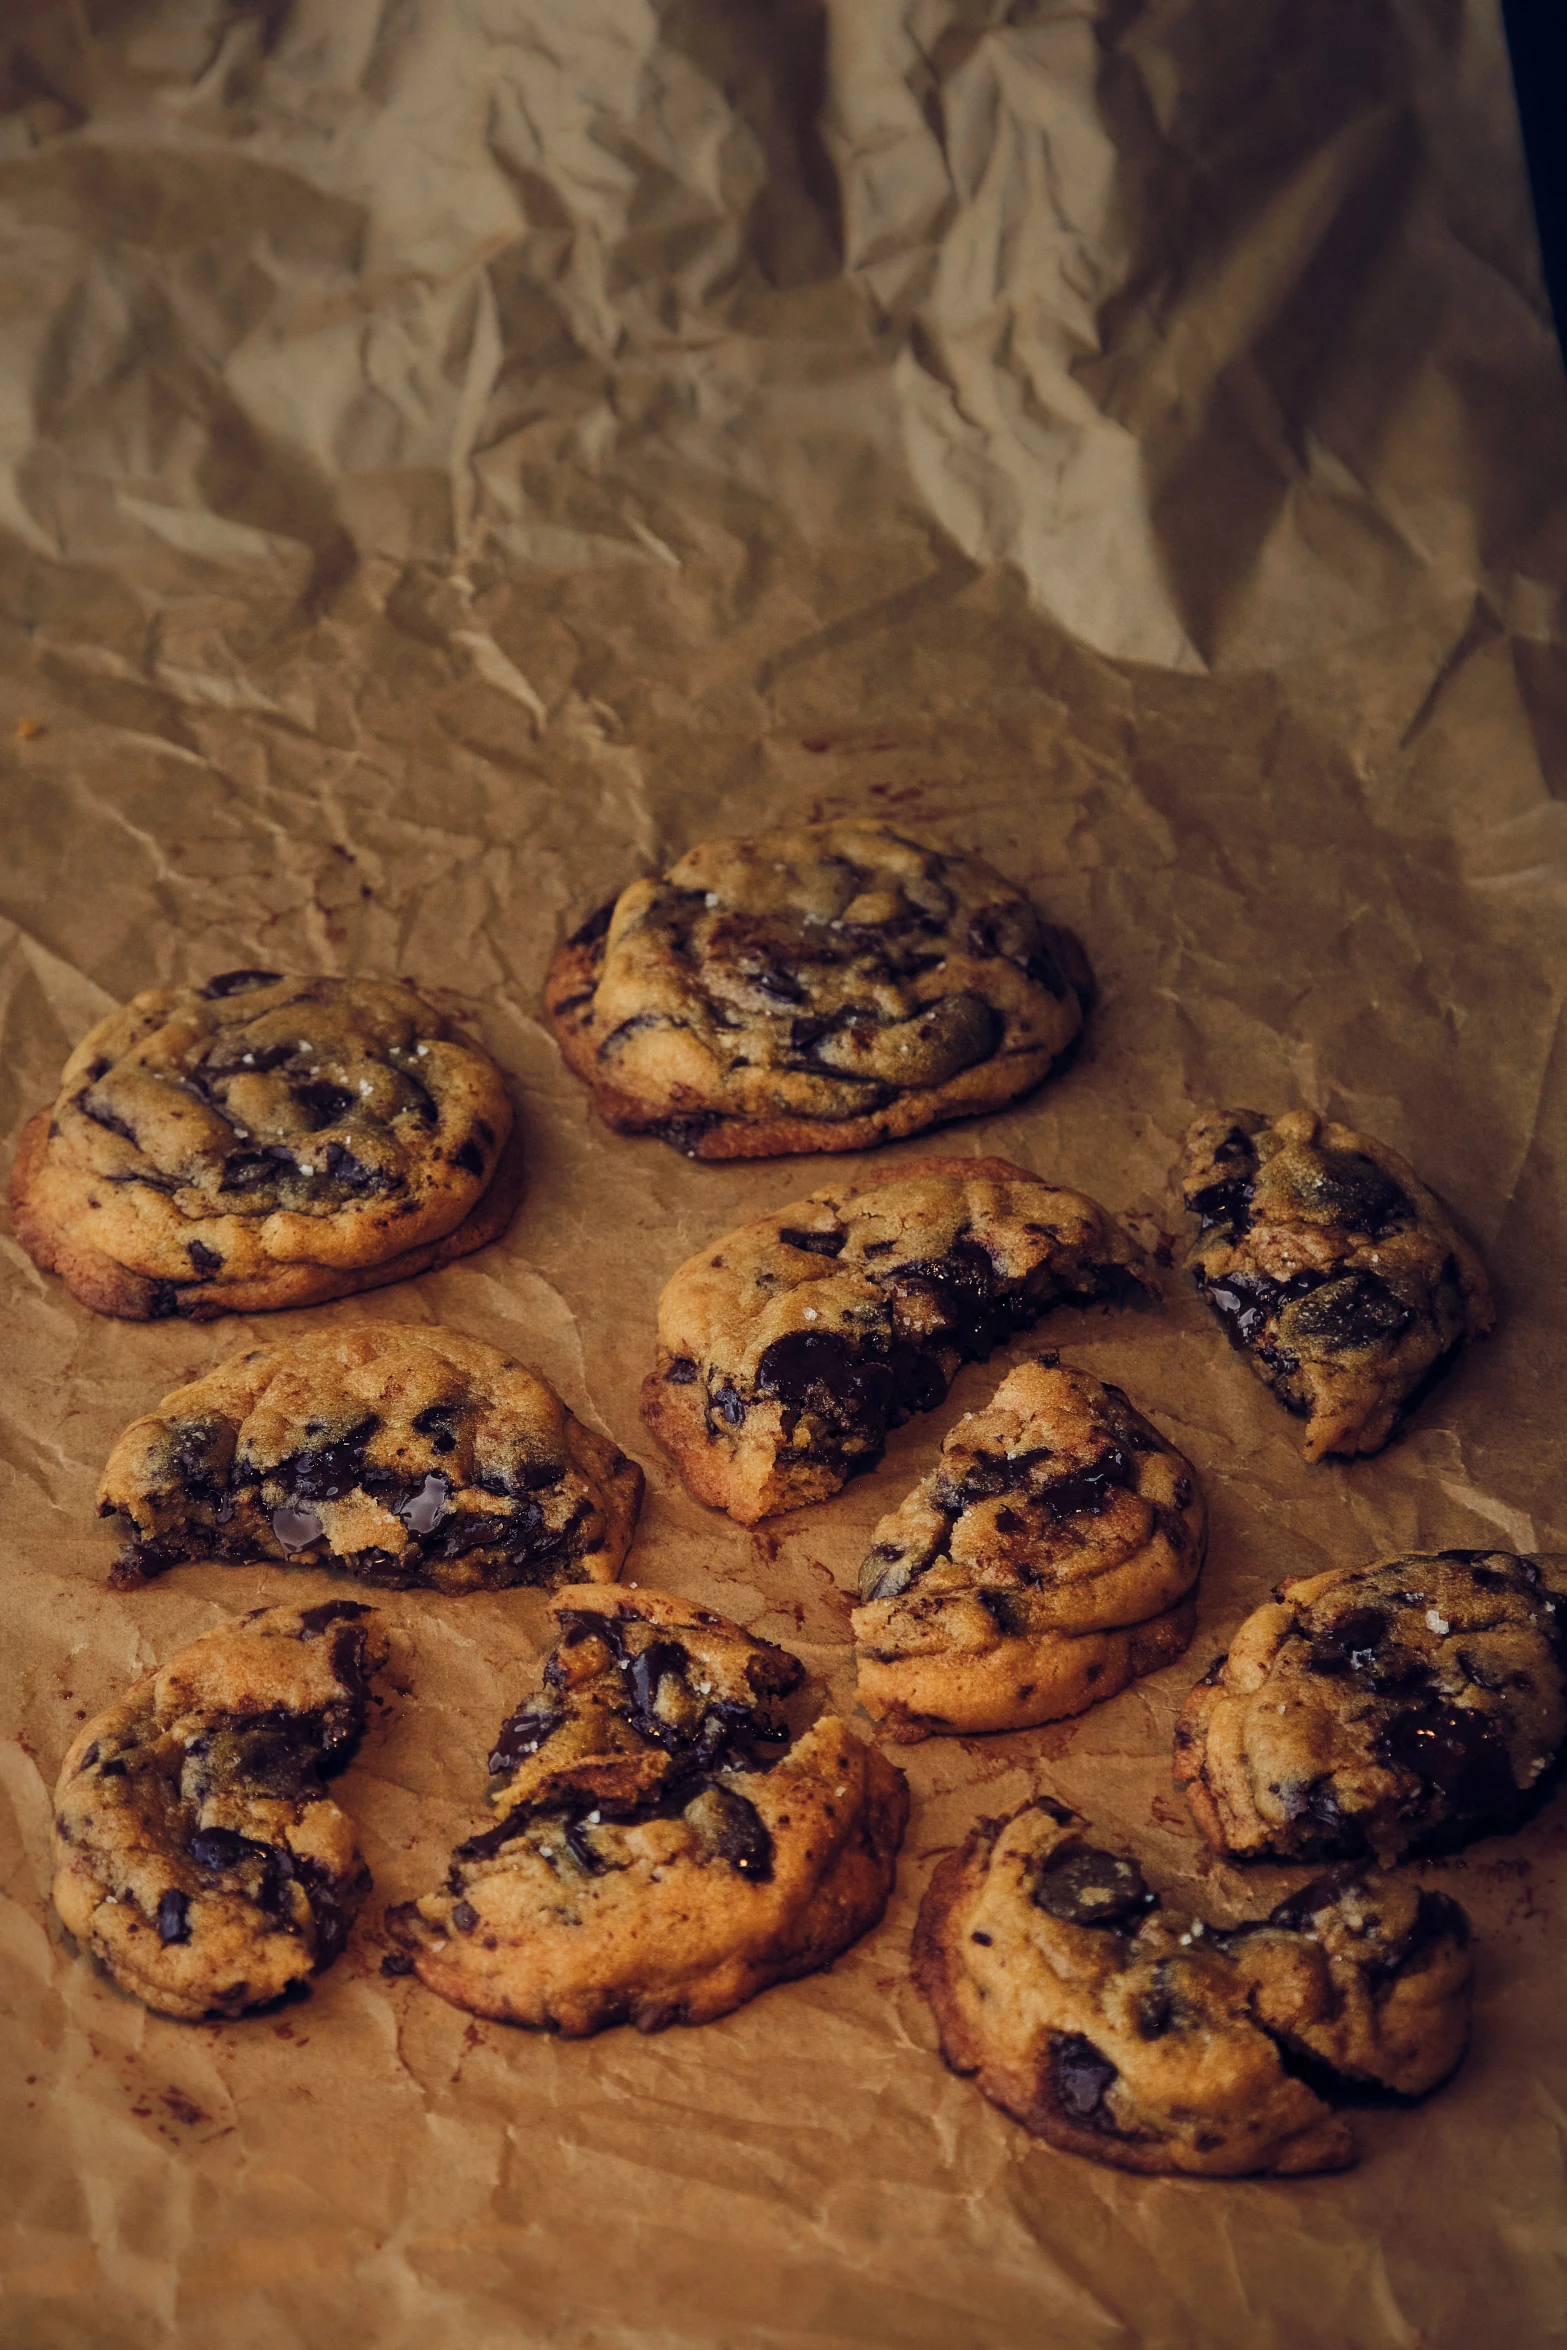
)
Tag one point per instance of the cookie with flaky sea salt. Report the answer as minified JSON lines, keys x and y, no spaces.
{"x":262,"y":1142}
{"x":663,"y":1849}
{"x":196,"y":1851}
{"x":788,"y":1349}
{"x":818,"y":989}
{"x":1406,"y":1706}
{"x":1046,"y":1561}
{"x":1120,"y":2029}
{"x":407,"y":1454}
{"x":1329,"y":1263}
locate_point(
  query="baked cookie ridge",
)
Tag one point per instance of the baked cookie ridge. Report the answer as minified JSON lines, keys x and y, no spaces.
{"x":1045,"y":1562}
{"x":196,"y":1851}
{"x":1406,"y":1706}
{"x":264,"y":1142}
{"x":1340,"y":1276}
{"x":1121,"y":2029}
{"x":788,"y":1349}
{"x":663,"y":1849}
{"x":820,"y":988}
{"x":406,"y":1454}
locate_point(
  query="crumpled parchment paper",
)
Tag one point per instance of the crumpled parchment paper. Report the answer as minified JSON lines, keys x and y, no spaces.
{"x":455,"y":453}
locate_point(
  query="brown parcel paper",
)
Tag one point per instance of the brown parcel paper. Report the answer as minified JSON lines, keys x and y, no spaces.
{"x":456,"y":454}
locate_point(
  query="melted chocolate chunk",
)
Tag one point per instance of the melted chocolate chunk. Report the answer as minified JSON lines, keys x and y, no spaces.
{"x":163,"y":1300}
{"x":423,"y":1511}
{"x":1317,"y":1800}
{"x":327,"y":1472}
{"x":742,"y":1837}
{"x":205,"y":1260}
{"x":682,"y":1372}
{"x":685,"y":1133}
{"x":173,"y":1916}
{"x":1351,"y":1190}
{"x":435,"y":1421}
{"x":1089,"y":1492}
{"x":469,"y":1157}
{"x":239,"y":982}
{"x":1090,"y":1888}
{"x":323,"y":1102}
{"x":296,"y":1529}
{"x":1356,"y":1310}
{"x":397,"y":1962}
{"x":521,"y":1735}
{"x":1155,"y":2012}
{"x":1081,"y":2074}
{"x":313,"y":1621}
{"x":1349,"y":1645}
{"x":1297,"y":1910}
{"x":1227,"y":1203}
{"x":1246,"y":1302}
{"x":1456,"y":1751}
{"x":815,"y":1244}
{"x":217,"y":1849}
{"x":464,"y":1916}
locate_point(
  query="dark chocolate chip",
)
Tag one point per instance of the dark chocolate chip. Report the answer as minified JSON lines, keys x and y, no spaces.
{"x":1350,"y":1644}
{"x":1457,"y":1752}
{"x":469,"y":1157}
{"x":313,"y":1621}
{"x":296,"y":1529}
{"x":682,"y":1372}
{"x":397,"y":1962}
{"x":464,"y":1916}
{"x":327,"y":1472}
{"x":423,"y":1511}
{"x":1090,"y":1888}
{"x":1081,"y":2075}
{"x":1356,"y":1310}
{"x":322,"y":1101}
{"x":238,"y":982}
{"x":205,"y":1260}
{"x":173,"y":1916}
{"x":742,"y":1836}
{"x":815,"y":1244}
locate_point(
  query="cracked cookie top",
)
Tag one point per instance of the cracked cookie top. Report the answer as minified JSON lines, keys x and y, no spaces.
{"x":663,"y":1850}
{"x":818,"y":989}
{"x":237,"y":1145}
{"x":1144,"y":2038}
{"x":1055,"y":1512}
{"x":408,"y":1454}
{"x":1407,"y":1706}
{"x":196,"y":1852}
{"x":1332,"y":1266}
{"x":788,"y":1349}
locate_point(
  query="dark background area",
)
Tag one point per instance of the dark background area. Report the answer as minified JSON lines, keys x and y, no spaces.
{"x":1537,"y":37}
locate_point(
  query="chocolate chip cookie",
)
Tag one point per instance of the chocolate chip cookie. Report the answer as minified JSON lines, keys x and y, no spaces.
{"x":196,"y":1852}
{"x":1403,"y":1707}
{"x":408,"y":1455}
{"x":1044,"y":1563}
{"x":819,"y":989}
{"x":663,"y":1851}
{"x":1329,"y":1263}
{"x":1122,"y":2030}
{"x":787,"y":1351}
{"x":263,"y":1142}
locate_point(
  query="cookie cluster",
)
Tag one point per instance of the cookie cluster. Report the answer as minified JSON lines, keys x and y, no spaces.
{"x":669,"y":1830}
